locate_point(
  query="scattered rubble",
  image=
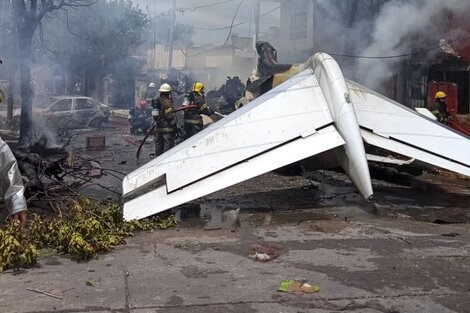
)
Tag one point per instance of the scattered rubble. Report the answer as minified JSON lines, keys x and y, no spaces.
{"x":264,"y":252}
{"x":224,"y":98}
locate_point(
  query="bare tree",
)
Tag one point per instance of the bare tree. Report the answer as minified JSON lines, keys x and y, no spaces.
{"x":27,"y":17}
{"x":9,"y":50}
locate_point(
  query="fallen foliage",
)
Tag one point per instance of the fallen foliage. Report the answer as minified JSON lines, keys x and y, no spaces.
{"x":15,"y":247}
{"x":85,"y":229}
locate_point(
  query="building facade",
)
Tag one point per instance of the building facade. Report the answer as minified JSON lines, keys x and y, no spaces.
{"x":342,"y":28}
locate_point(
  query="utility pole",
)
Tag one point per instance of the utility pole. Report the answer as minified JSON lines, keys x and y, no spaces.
{"x":257,"y":19}
{"x":155,"y":42}
{"x":1,"y":11}
{"x":154,"y":47}
{"x":346,"y":46}
{"x":171,"y":39}
{"x":314,"y":26}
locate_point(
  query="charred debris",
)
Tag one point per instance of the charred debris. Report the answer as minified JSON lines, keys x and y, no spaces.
{"x":54,"y":176}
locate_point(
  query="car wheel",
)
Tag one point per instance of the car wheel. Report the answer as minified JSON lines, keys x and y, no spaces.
{"x":95,"y":123}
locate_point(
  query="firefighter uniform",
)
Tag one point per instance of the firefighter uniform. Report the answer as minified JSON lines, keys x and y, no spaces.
{"x":11,"y":184}
{"x":192,"y":117}
{"x":140,"y":118}
{"x":151,"y":93}
{"x":166,"y":121}
{"x":440,"y":110}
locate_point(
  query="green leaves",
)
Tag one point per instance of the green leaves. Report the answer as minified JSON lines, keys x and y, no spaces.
{"x":15,"y":250}
{"x":88,"y":228}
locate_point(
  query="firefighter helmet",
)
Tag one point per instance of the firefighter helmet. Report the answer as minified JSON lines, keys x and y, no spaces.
{"x":440,"y":95}
{"x":198,"y":87}
{"x":152,"y":85}
{"x":165,"y":88}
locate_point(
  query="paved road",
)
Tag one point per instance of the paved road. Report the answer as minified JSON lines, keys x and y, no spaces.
{"x":365,"y":257}
{"x":362,"y":263}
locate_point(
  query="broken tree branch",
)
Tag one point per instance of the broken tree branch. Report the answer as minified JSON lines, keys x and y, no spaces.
{"x":44,"y":293}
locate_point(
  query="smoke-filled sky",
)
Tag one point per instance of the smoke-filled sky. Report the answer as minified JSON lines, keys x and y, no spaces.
{"x":397,"y":21}
{"x":215,"y":14}
{"x":388,"y":32}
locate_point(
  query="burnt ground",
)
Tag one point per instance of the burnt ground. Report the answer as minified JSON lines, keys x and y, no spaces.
{"x":406,"y":251}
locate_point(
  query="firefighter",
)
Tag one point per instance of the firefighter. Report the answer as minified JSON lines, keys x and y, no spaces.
{"x":151,"y":93}
{"x":11,"y":185}
{"x":439,"y":109}
{"x":192,"y":117}
{"x":140,"y":118}
{"x":77,"y":89}
{"x":165,"y":119}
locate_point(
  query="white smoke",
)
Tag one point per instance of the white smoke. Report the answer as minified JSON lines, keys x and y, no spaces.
{"x":400,"y":27}
{"x":210,"y":14}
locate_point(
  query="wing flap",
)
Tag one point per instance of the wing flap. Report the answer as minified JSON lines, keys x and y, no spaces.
{"x":392,"y":126}
{"x":413,"y":152}
{"x":160,"y":199}
{"x":284,"y":113}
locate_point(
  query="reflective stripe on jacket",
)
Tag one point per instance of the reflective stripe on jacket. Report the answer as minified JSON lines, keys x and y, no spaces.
{"x":167,"y":121}
{"x":193,"y":116}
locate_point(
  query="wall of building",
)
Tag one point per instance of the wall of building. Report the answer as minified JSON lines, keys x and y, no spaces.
{"x":296,"y":31}
{"x":209,"y":65}
{"x":158,"y":58}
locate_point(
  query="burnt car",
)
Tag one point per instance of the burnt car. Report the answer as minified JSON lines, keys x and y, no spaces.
{"x":76,"y":112}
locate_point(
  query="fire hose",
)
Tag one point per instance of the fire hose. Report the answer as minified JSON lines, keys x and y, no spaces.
{"x":152,"y":129}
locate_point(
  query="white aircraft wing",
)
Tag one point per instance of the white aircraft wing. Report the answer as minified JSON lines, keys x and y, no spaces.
{"x":312,"y":112}
{"x":272,"y":131}
{"x":389,"y":125}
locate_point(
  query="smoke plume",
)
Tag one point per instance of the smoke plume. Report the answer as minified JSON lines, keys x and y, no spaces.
{"x":403,"y":27}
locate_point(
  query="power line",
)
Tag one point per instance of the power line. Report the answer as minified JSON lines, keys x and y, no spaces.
{"x":190,"y":9}
{"x":272,"y":10}
{"x":226,"y":40}
{"x":233,"y":21}
{"x":399,"y":55}
{"x":238,"y":24}
{"x":220,"y":28}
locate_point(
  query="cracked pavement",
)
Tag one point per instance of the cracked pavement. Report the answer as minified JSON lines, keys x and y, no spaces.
{"x":362,"y":263}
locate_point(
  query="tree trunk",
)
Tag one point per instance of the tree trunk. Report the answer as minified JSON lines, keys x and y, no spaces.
{"x":25,"y":23}
{"x":11,"y":94}
{"x":12,"y":61}
{"x":26,"y":91}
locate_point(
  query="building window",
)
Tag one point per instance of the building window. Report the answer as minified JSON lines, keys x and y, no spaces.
{"x":299,"y":20}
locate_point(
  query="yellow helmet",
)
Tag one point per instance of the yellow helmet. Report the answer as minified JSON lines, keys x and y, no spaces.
{"x":165,"y":88}
{"x":198,"y":87}
{"x":440,"y":95}
{"x":2,"y":96}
